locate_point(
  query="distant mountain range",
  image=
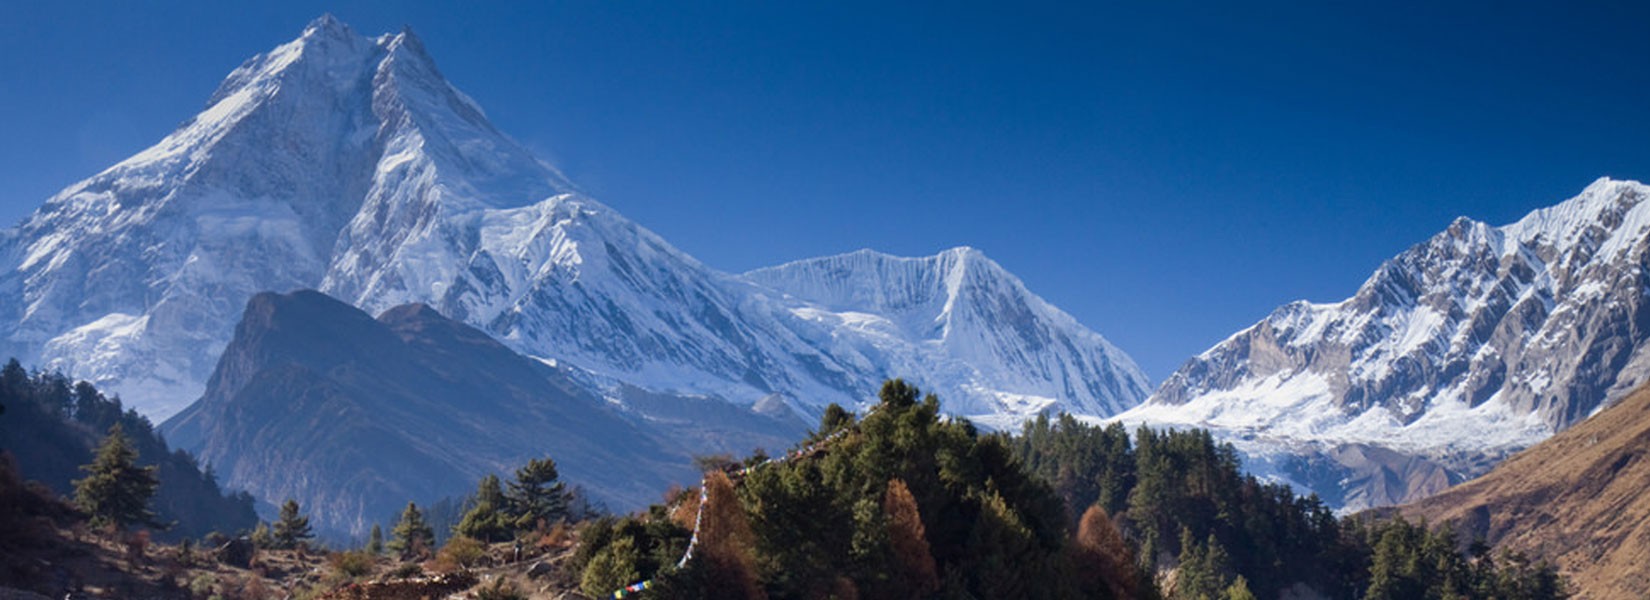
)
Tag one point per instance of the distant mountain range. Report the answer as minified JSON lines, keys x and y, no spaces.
{"x":1474,"y":344}
{"x":348,"y":164}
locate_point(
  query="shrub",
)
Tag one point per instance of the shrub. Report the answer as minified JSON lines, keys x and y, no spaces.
{"x":407,"y":571}
{"x":500,"y":590}
{"x":459,"y":553}
{"x":201,"y":586}
{"x":354,"y":563}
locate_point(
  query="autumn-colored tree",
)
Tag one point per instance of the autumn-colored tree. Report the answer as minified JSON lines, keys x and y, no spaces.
{"x":843,"y":589}
{"x":915,"y":575}
{"x":1103,"y":556}
{"x":725,"y":542}
{"x":686,"y":502}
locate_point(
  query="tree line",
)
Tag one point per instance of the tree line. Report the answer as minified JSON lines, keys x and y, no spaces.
{"x":1183,"y":501}
{"x":910,"y":504}
{"x":55,"y":429}
{"x":901,"y":502}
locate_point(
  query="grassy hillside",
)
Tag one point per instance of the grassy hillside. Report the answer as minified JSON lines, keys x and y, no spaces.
{"x":1578,"y":499}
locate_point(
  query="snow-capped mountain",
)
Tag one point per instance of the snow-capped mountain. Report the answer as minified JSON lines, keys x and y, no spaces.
{"x":348,"y":163}
{"x":1481,"y":341}
{"x":971,"y":321}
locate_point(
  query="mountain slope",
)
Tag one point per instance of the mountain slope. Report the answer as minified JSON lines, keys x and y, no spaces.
{"x":1510,"y":333}
{"x":1576,"y":499}
{"x":354,"y":416}
{"x":960,"y":319}
{"x":348,"y":164}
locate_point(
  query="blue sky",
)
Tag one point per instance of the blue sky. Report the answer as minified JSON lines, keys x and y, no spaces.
{"x":1166,"y":172}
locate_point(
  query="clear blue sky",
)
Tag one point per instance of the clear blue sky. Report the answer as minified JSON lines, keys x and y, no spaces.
{"x":1168,"y":173}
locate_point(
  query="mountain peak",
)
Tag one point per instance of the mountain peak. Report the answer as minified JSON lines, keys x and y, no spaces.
{"x":350,"y":165}
{"x":408,"y":43}
{"x":960,"y":303}
{"x":1510,"y":332}
{"x":327,"y":25}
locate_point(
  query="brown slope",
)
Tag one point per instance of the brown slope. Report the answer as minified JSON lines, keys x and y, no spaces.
{"x":1580,"y":500}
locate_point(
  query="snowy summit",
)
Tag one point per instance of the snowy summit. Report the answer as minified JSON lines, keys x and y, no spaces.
{"x":349,"y":164}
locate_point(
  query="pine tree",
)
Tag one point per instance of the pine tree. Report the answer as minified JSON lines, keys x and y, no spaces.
{"x":1004,"y":550}
{"x":835,"y":418}
{"x":487,"y":520}
{"x":1205,"y":568}
{"x":375,"y":542}
{"x":612,"y":568}
{"x":1192,"y":579}
{"x":537,"y":495}
{"x":898,"y":394}
{"x":116,"y":491}
{"x":14,"y":382}
{"x":291,"y":528}
{"x":412,"y":536}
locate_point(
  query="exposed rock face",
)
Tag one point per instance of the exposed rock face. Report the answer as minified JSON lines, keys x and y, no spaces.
{"x":1478,"y":342}
{"x":348,"y":164}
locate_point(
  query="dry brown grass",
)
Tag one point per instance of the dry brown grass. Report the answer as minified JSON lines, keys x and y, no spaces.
{"x":1580,"y":500}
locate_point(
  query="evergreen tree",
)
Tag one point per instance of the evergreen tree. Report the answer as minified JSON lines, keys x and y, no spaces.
{"x":14,"y":380}
{"x":1205,"y":569}
{"x":291,"y":528}
{"x":611,"y":568}
{"x":898,"y":394}
{"x":1004,"y":549}
{"x":375,"y":542}
{"x":536,"y":495}
{"x":487,"y":520}
{"x":835,"y":523}
{"x":116,"y":491}
{"x":412,"y":536}
{"x":835,"y":418}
